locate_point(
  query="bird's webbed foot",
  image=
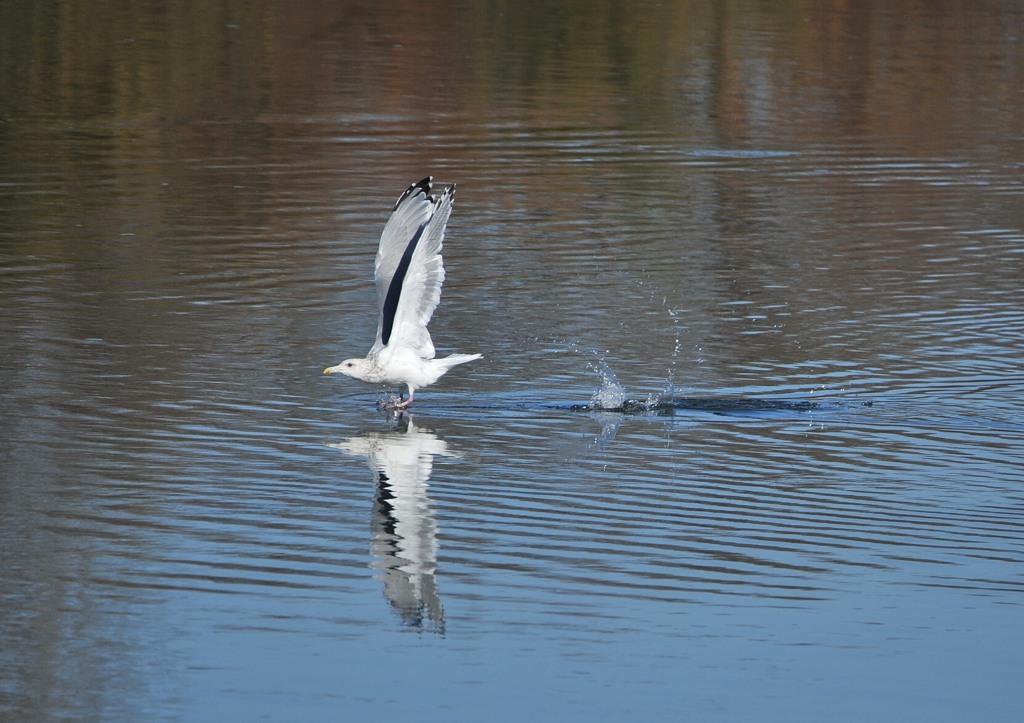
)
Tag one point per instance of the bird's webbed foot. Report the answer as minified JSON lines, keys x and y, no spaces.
{"x":395,"y":405}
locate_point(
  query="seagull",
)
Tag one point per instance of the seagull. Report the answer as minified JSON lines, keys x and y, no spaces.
{"x":409,"y":273}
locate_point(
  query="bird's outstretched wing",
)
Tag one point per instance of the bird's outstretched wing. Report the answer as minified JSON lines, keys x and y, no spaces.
{"x":409,"y":269}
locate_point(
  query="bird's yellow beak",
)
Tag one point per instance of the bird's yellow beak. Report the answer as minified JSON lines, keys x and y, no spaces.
{"x":327,"y":370}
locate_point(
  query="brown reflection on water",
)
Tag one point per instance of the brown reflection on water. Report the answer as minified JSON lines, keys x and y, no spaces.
{"x":164,"y":124}
{"x":825,"y":70}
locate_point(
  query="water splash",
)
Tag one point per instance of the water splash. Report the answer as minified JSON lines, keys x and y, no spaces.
{"x":611,"y":397}
{"x":611,"y":394}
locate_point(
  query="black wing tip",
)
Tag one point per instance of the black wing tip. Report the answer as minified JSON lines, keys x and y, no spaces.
{"x":426,"y":186}
{"x":448,"y":192}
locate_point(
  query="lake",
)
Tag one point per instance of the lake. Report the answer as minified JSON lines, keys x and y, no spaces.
{"x":746,"y":441}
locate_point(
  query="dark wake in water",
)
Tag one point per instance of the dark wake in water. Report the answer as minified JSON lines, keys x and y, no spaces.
{"x":720,"y":405}
{"x":611,"y":397}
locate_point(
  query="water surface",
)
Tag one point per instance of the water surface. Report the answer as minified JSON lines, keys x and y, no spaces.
{"x":792,"y":235}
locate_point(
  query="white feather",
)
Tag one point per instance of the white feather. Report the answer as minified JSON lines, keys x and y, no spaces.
{"x":421,"y":287}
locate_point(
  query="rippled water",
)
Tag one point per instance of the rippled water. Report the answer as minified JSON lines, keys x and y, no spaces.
{"x":746,"y":439}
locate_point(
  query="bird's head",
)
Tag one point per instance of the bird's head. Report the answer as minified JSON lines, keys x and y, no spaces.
{"x":356,"y":368}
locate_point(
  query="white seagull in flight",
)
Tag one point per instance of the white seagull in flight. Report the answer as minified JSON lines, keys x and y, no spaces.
{"x":409,"y":274}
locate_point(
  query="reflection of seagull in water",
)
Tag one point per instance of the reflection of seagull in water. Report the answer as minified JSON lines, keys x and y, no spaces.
{"x":409,"y":273}
{"x":404,"y":542}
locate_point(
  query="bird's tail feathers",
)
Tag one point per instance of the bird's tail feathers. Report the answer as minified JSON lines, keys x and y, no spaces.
{"x":456,"y":359}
